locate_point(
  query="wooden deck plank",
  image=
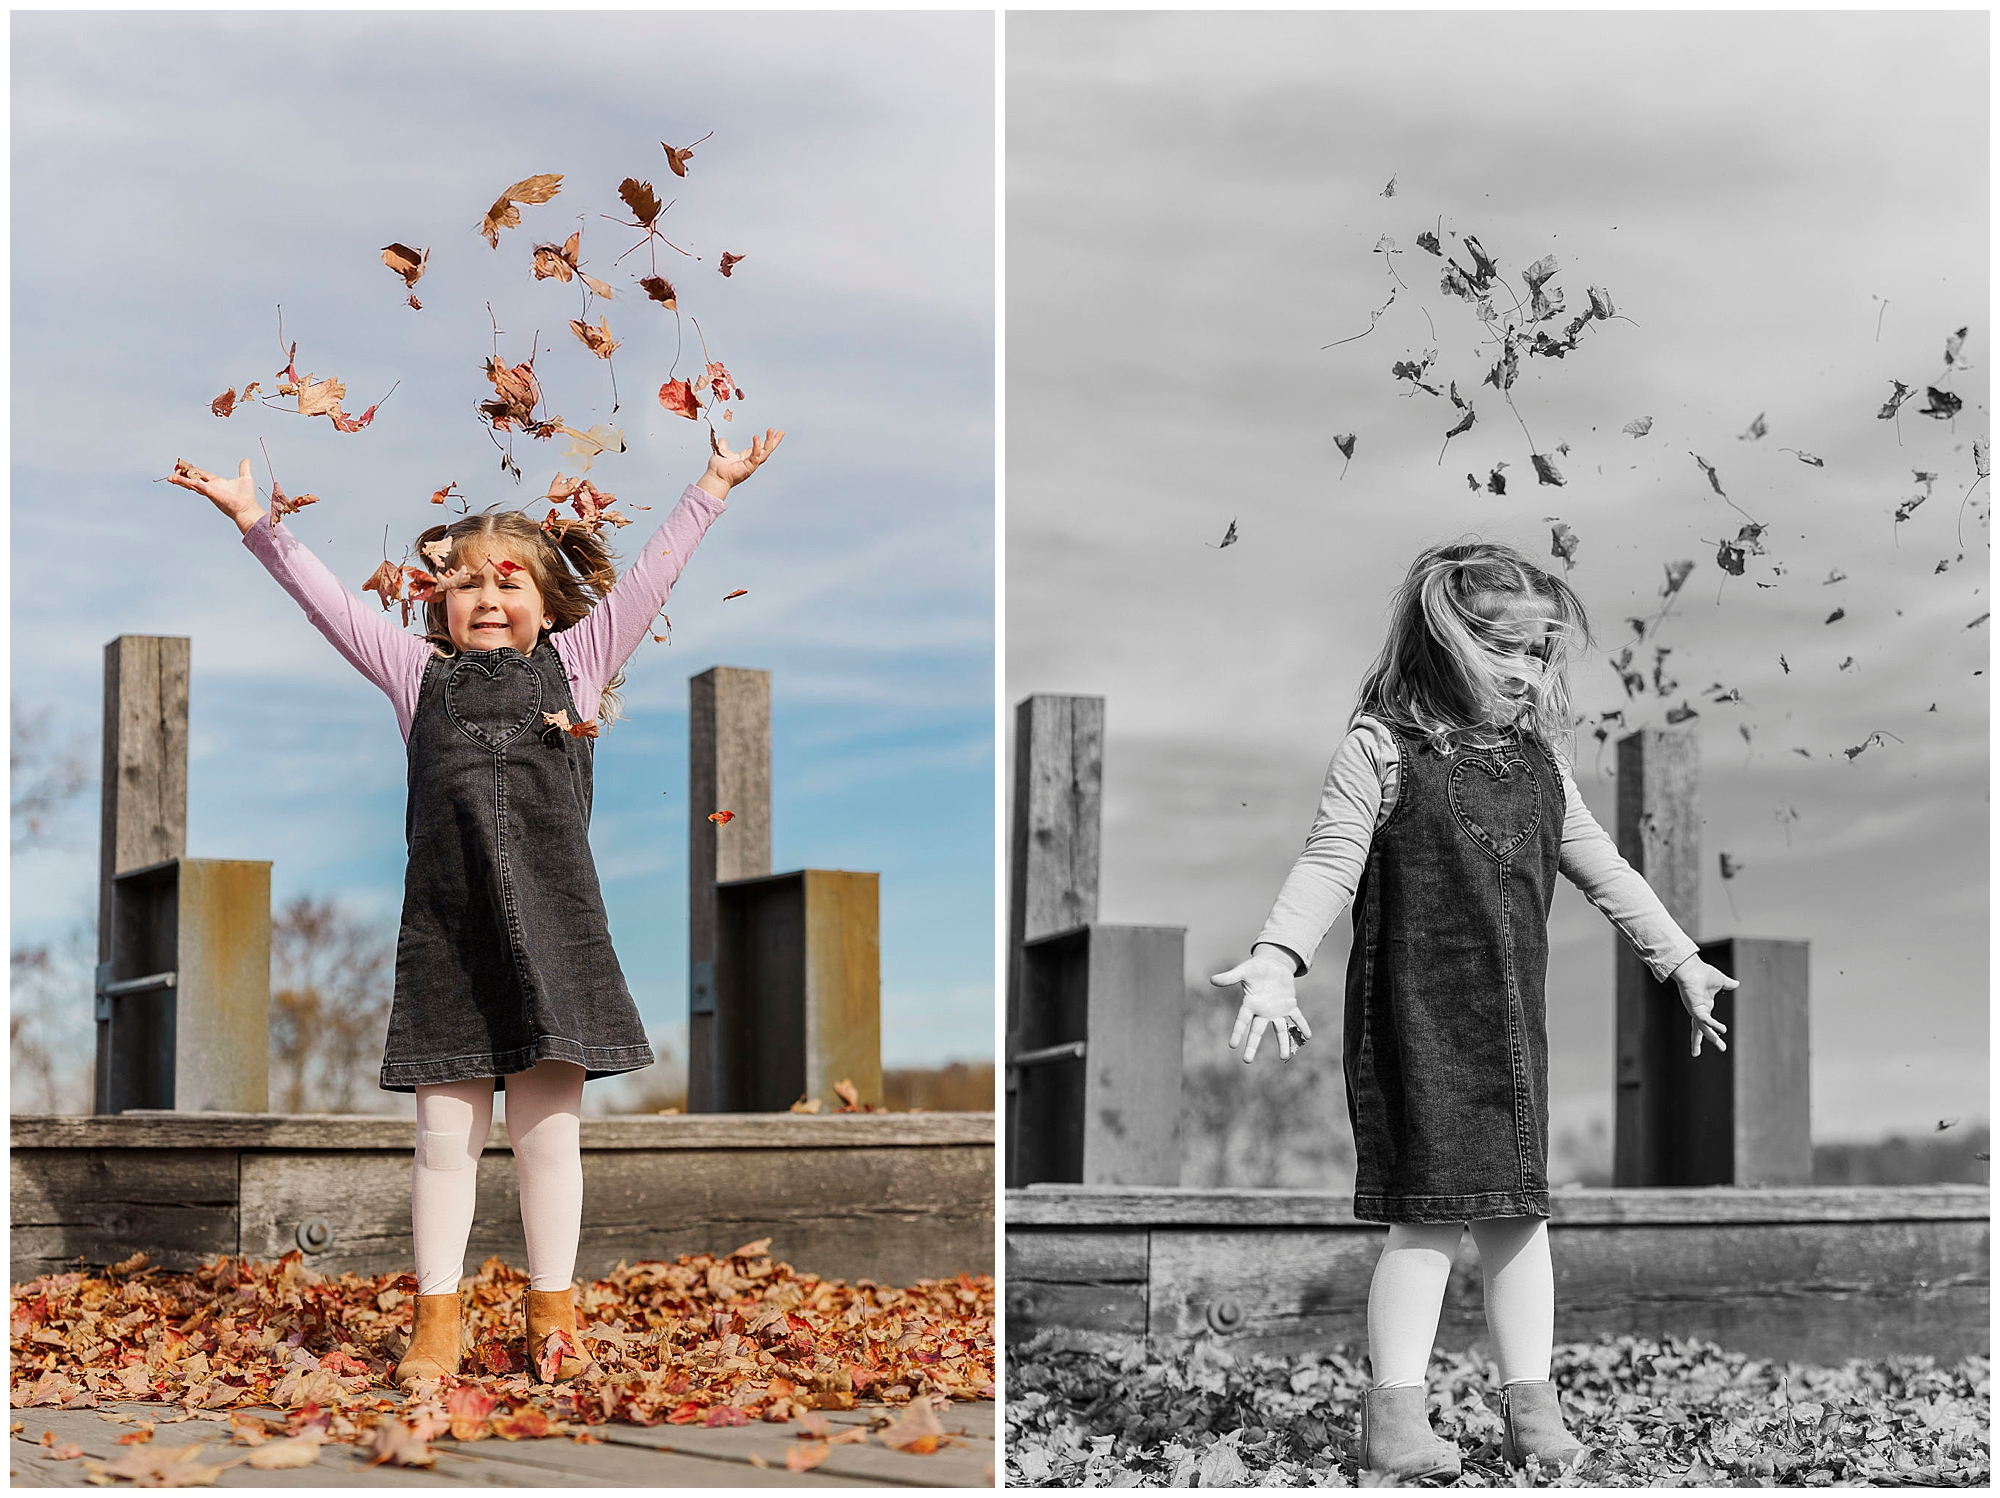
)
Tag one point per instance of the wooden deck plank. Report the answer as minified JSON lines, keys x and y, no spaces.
{"x":628,"y":1456}
{"x":366,"y":1131}
{"x":1172,"y":1206}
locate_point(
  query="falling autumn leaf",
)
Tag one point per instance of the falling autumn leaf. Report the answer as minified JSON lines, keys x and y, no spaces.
{"x":1757,"y":429}
{"x":1640,"y":426}
{"x":505,"y":215}
{"x":720,"y":817}
{"x":659,"y":289}
{"x":1715,"y":482}
{"x":1731,"y":867}
{"x":1941,"y":405}
{"x":730,"y":262}
{"x":1835,"y":615}
{"x":1682,"y":713}
{"x":678,"y":397}
{"x":1345,"y":442}
{"x":598,"y":339}
{"x":406,"y":262}
{"x":316,"y":397}
{"x":1563,"y":543}
{"x":594,"y":443}
{"x":1229,"y":537}
{"x":439,"y":496}
{"x":1895,"y":402}
{"x":677,"y":160}
{"x":226,"y":403}
{"x":1545,"y":470}
{"x":386,"y":582}
{"x":1677,"y":573}
{"x":716,"y":379}
{"x":740,"y":592}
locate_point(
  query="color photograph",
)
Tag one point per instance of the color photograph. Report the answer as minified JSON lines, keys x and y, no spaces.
{"x":502,"y":748}
{"x":1497,"y":522}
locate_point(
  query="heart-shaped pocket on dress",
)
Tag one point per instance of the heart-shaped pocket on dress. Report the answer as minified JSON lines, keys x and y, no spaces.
{"x":1497,"y":801}
{"x":493,"y":694}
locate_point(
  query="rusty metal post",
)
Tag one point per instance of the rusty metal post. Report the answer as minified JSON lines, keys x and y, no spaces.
{"x":729,"y":769}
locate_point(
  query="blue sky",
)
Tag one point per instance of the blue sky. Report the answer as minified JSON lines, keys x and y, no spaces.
{"x":1194,"y":205}
{"x":178,"y":177}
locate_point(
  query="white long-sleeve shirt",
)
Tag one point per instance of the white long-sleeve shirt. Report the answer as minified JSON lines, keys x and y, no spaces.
{"x":1360,"y":792}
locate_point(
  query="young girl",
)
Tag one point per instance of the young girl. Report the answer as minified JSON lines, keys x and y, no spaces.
{"x":504,"y":969}
{"x":1447,"y":812}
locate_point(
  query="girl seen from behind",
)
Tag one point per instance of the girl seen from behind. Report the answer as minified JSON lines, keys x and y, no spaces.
{"x":1447,"y":812}
{"x":505,"y":974}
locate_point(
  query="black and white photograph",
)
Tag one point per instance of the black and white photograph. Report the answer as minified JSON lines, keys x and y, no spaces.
{"x":1497,"y":615}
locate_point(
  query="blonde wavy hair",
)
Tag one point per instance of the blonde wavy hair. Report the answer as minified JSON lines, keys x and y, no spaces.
{"x":1480,"y":641}
{"x":572,"y":567}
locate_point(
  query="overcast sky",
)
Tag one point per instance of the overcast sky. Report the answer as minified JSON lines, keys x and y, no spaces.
{"x":178,"y":177}
{"x":1194,"y":204}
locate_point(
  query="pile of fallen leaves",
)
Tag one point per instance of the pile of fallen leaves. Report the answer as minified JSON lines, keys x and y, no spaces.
{"x":1653,"y":1414}
{"x":710,"y":1340}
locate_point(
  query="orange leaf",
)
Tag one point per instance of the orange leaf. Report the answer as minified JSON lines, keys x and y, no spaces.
{"x":439,"y":496}
{"x":805,"y":1457}
{"x":406,"y":262}
{"x":678,"y":396}
{"x":737,"y":594}
{"x":469,"y":1405}
{"x":844,"y":1089}
{"x":596,"y":286}
{"x":504,"y":215}
{"x":730,"y":262}
{"x":317,"y":398}
{"x":719,"y":817}
{"x":391,"y":1441}
{"x":598,"y":339}
{"x":917,"y":1431}
{"x":386,"y":582}
{"x":549,"y":262}
{"x":725,"y":1414}
{"x":525,"y":1424}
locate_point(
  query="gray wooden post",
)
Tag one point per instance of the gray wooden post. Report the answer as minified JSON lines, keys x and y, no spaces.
{"x":183,"y":1001}
{"x":1740,"y":1117}
{"x":1659,"y":832}
{"x":1093,"y":1010}
{"x":729,"y":769}
{"x":144,"y":787}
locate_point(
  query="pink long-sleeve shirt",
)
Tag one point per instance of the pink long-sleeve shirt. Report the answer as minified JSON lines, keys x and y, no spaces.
{"x":591,"y":650}
{"x":1360,"y":792}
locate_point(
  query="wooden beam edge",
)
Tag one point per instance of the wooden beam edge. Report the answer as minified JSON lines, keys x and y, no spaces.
{"x":1170,"y":1207}
{"x":749,"y":1131}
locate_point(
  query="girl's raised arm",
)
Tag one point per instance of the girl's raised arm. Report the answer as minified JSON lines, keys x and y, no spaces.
{"x":380,"y":651}
{"x":597,"y":646}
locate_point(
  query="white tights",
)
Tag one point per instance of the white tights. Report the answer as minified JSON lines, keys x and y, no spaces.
{"x":1408,"y":1292}
{"x":543,"y":1107}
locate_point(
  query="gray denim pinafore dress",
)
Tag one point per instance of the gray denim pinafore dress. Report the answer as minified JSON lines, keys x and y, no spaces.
{"x":504,"y":957}
{"x":1446,"y":1040}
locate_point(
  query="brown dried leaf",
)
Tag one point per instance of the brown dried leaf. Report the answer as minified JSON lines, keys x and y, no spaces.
{"x":677,"y":160}
{"x":408,"y":263}
{"x":659,"y":289}
{"x":730,"y":262}
{"x":642,"y":200}
{"x":598,"y":339}
{"x":916,"y":1432}
{"x":529,"y":190}
{"x":298,"y":1451}
{"x":318,"y":397}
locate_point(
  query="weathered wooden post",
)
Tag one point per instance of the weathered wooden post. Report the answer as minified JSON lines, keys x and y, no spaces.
{"x":1740,"y":1117}
{"x":1093,"y":1010}
{"x":183,"y":944}
{"x":729,"y":769}
{"x":784,"y":981}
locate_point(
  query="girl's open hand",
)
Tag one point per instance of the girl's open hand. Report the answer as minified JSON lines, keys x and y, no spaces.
{"x":1268,"y":1001}
{"x":1699,"y":984}
{"x":236,"y":498}
{"x":727,"y":469}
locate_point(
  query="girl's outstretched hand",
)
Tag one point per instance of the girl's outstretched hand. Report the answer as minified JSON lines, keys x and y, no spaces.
{"x":727,"y":469}
{"x":1699,"y":984}
{"x":236,"y":498}
{"x":1268,"y":1002}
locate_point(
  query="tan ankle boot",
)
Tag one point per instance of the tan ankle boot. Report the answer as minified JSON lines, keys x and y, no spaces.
{"x":1535,"y":1426}
{"x":434,"y":1339}
{"x":1396,"y":1438}
{"x":551,"y":1311}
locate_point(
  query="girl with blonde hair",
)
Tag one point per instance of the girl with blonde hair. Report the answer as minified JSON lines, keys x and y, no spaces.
{"x":505,"y":975}
{"x":1447,"y":812}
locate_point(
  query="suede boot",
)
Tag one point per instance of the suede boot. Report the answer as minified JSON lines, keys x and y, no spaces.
{"x":1535,"y":1426}
{"x":1396,"y":1437}
{"x":551,"y":1311}
{"x":435,"y":1339}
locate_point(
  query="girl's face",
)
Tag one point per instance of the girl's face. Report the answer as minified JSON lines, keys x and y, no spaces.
{"x":492,"y":600}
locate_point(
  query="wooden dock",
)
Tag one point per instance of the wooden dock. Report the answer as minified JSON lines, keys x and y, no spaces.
{"x":1821,"y":1274}
{"x":629,"y":1455}
{"x":892,"y":1197}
